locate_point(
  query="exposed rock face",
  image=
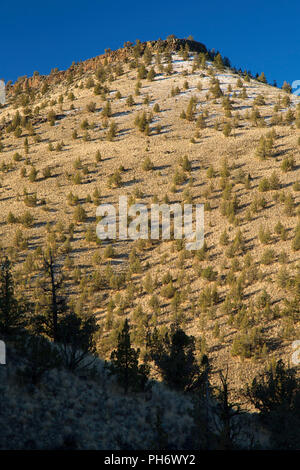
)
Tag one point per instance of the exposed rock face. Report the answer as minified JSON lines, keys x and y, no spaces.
{"x":119,"y":55}
{"x":174,"y":44}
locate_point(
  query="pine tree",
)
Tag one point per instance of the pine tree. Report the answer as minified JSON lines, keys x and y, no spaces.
{"x":51,"y":304}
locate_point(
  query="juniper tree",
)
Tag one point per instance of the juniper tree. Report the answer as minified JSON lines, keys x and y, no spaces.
{"x":200,"y":123}
{"x":227,"y":129}
{"x":185,"y":163}
{"x":26,"y":146}
{"x":112,"y":131}
{"x":218,"y":62}
{"x":91,"y":107}
{"x":76,"y":340}
{"x":262,"y":151}
{"x":287,"y":87}
{"x":289,"y":116}
{"x":115,"y":180}
{"x":169,"y":68}
{"x":79,"y":214}
{"x":12,"y":312}
{"x":296,"y":240}
{"x":142,"y":72}
{"x":125,"y":363}
{"x":273,"y":389}
{"x":39,"y":357}
{"x":262,"y":78}
{"x":259,"y":100}
{"x":174,"y":355}
{"x":151,"y":74}
{"x":98,"y":157}
{"x":190,"y":112}
{"x":106,"y":112}
{"x":147,"y":56}
{"x":130,"y":101}
{"x":215,"y":88}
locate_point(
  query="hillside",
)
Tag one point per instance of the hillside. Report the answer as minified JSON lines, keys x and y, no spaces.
{"x":79,"y":138}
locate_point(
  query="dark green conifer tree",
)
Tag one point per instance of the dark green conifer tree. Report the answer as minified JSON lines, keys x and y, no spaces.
{"x":125,"y":364}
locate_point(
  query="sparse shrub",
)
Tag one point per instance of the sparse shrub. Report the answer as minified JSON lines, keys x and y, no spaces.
{"x":268,"y":256}
{"x":115,"y":180}
{"x":288,"y":164}
{"x":168,"y":290}
{"x":248,"y":344}
{"x":77,"y":178}
{"x":27,"y":219}
{"x":130,"y":101}
{"x":79,"y":214}
{"x":264,"y":185}
{"x":296,"y":240}
{"x":47,"y":172}
{"x":91,"y":107}
{"x":112,"y":131}
{"x":109,"y":252}
{"x":264,"y":235}
{"x":84,"y":124}
{"x":17,"y":157}
{"x":147,"y":164}
{"x":33,"y":174}
{"x":20,"y":241}
{"x":227,"y":129}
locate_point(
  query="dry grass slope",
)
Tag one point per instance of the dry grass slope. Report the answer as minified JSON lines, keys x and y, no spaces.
{"x":78,"y":143}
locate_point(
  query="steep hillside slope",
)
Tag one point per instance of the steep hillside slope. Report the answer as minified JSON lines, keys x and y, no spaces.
{"x":81,"y":139}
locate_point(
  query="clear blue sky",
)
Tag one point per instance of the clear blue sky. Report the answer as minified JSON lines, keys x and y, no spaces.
{"x":257,"y":35}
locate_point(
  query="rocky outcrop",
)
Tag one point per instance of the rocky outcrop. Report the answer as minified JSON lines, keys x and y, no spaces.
{"x":118,"y":56}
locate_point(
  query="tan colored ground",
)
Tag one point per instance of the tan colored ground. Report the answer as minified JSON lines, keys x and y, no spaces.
{"x":129,"y":149}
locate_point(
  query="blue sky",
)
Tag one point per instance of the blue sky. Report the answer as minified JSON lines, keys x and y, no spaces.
{"x":255,"y":35}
